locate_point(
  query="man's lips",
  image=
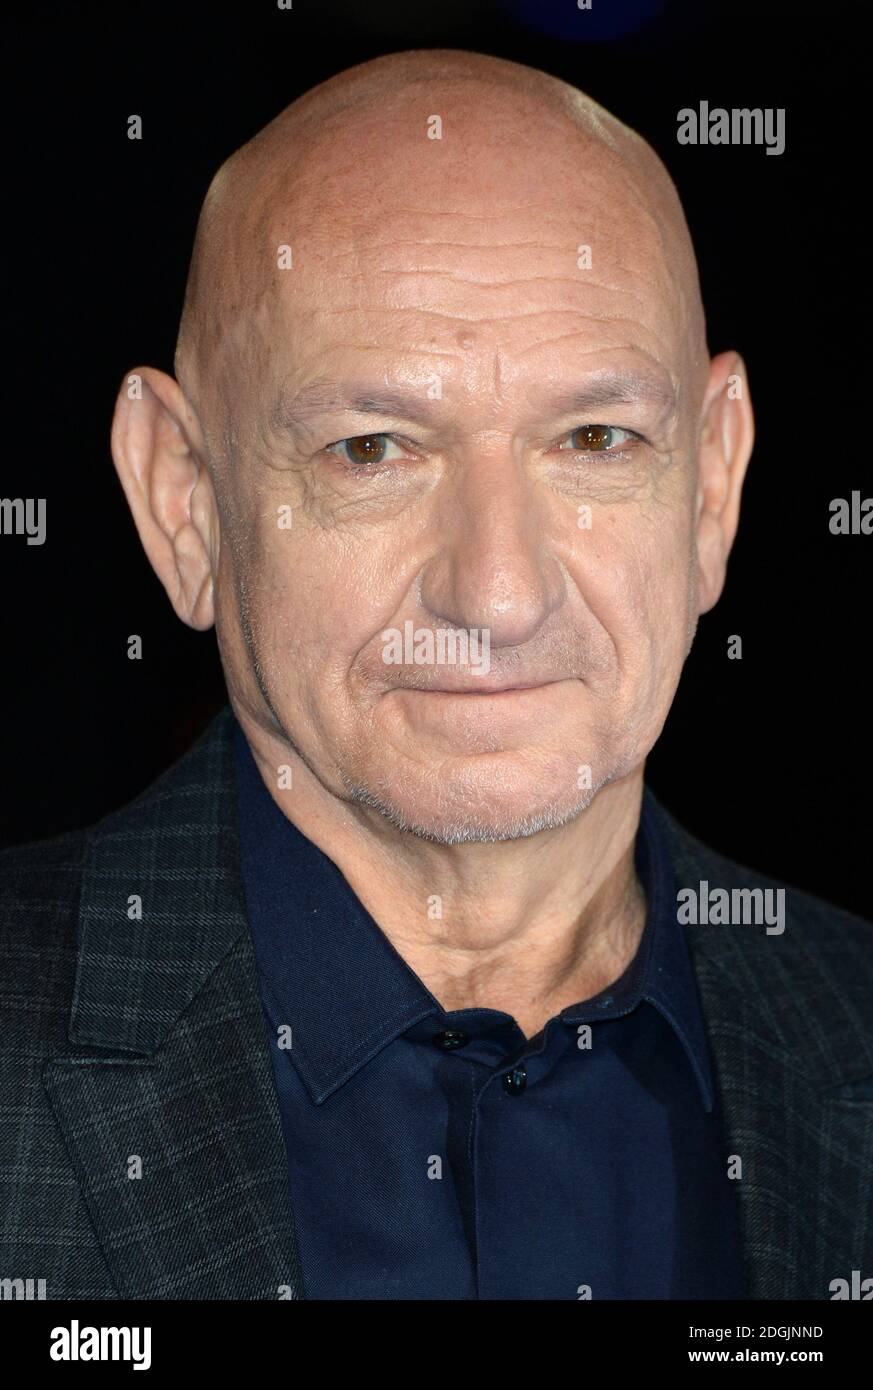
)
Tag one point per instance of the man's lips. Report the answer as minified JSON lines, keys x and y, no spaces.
{"x":484,"y":686}
{"x":489,"y":716}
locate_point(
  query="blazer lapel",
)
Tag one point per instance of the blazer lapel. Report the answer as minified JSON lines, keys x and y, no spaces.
{"x":167,"y":1102}
{"x":166,"y":1099}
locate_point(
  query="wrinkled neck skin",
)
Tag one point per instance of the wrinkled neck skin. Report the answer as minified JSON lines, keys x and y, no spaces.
{"x":527,"y":926}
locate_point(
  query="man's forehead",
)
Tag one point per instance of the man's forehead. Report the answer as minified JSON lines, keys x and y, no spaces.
{"x":428,"y":325}
{"x":525,"y":224}
{"x":629,"y":380}
{"x":430,"y":283}
{"x":481,"y":201}
{"x":489,"y":230}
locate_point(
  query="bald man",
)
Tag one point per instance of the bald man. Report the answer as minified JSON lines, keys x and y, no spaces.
{"x":402,"y":984}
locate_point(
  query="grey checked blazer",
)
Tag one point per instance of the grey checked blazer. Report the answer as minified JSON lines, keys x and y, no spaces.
{"x":121,"y":1038}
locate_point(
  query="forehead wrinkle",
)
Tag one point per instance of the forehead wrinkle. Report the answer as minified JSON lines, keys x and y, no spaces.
{"x":326,"y":131}
{"x":297,"y":405}
{"x":616,"y":388}
{"x":322,"y":397}
{"x":428,"y":238}
{"x":391,"y":273}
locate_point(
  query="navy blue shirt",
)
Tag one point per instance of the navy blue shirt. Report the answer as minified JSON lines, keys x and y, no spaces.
{"x":443,"y":1155}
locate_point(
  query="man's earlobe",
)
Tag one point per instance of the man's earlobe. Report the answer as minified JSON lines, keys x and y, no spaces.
{"x":727,"y":432}
{"x":159,"y":454}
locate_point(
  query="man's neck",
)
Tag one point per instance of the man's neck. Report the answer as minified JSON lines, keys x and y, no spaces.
{"x":527,"y":926}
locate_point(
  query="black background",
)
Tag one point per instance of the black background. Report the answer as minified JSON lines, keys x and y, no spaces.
{"x":764,"y":758}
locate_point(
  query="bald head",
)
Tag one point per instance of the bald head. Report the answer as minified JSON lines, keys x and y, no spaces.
{"x":442,"y":369}
{"x":427,"y":140}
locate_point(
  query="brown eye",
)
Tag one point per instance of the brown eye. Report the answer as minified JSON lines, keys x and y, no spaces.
{"x":592,"y":437}
{"x":361,"y":450}
{"x":597,"y":439}
{"x":365,"y":448}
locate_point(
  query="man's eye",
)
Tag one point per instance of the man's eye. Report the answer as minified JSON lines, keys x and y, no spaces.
{"x":362,"y":449}
{"x":596,"y":439}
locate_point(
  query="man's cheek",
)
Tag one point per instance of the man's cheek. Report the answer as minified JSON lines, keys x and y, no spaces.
{"x":650,"y":601}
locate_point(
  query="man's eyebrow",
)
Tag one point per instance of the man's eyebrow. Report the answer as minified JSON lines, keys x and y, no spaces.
{"x":324,"y":397}
{"x":615,"y":388}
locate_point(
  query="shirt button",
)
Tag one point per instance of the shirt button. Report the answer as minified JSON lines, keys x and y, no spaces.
{"x":515,"y":1081}
{"x":450,"y":1039}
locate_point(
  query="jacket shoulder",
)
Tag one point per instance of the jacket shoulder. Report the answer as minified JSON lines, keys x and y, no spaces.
{"x":805,"y":971}
{"x":694,"y":862}
{"x":41,"y":882}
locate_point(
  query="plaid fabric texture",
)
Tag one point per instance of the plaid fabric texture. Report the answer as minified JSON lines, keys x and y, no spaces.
{"x":135,"y":1044}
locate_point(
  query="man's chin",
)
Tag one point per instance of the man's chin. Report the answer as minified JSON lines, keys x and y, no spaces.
{"x":488,"y":822}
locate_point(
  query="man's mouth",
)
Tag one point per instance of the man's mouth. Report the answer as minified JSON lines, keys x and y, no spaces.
{"x":485,"y":686}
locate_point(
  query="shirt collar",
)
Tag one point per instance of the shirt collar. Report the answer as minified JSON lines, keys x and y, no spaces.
{"x":328,"y":972}
{"x":661,"y":972}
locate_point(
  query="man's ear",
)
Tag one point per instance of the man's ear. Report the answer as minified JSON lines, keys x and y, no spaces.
{"x":159,"y":453}
{"x":727,"y":432}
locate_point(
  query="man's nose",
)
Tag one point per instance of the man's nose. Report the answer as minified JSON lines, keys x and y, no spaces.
{"x":494,"y":568}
